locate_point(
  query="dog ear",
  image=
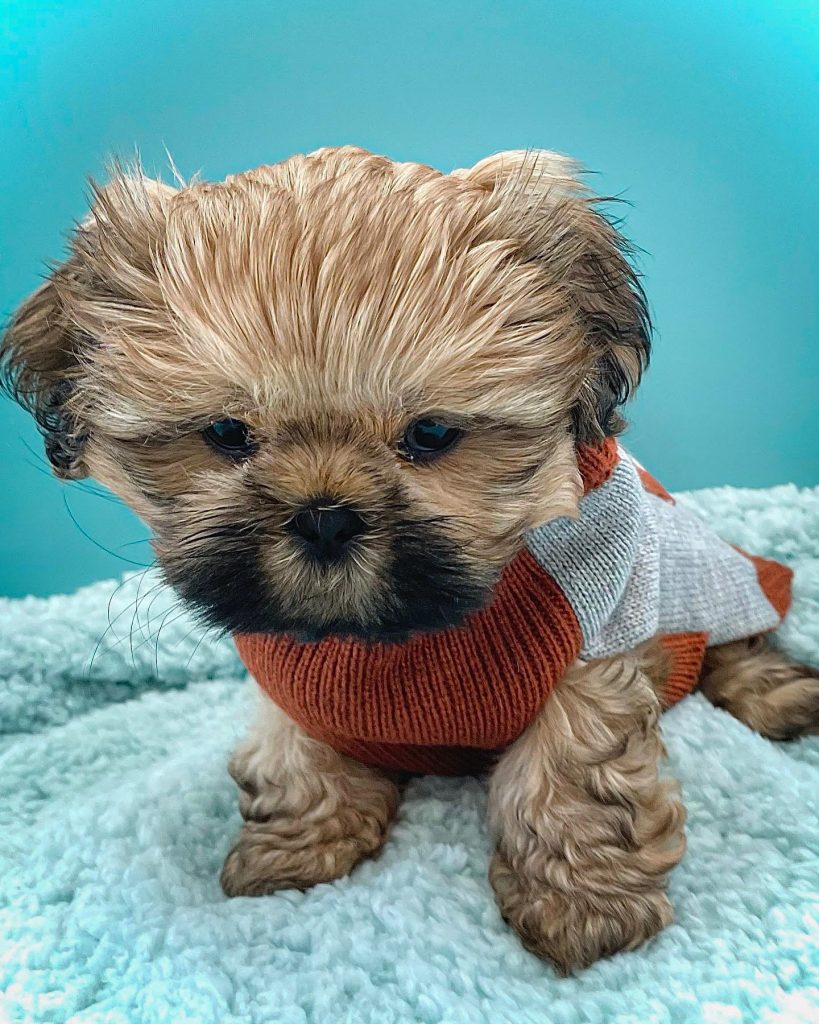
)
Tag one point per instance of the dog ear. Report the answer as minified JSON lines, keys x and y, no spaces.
{"x":46,"y":349}
{"x":541,"y":202}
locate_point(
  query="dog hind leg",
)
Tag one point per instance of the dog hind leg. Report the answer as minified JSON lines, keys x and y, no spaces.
{"x":763,"y":688}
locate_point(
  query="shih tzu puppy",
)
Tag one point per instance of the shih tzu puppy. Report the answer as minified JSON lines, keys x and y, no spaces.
{"x":369,"y":412}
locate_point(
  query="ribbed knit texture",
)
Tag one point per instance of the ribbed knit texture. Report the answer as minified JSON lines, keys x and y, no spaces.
{"x":445,"y":703}
{"x":421,"y":704}
{"x":686,"y":652}
{"x":775,"y":581}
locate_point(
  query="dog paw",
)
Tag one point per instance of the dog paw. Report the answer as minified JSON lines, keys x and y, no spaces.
{"x":574,"y":929}
{"x":763,"y":688}
{"x":289,"y":854}
{"x":791,"y":710}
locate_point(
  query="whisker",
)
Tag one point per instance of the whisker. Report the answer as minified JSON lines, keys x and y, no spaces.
{"x":111,"y":623}
{"x":102,"y":547}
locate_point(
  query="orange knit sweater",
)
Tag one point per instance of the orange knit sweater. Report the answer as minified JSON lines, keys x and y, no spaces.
{"x":445,"y":702}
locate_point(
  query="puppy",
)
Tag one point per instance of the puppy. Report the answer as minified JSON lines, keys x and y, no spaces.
{"x":368,"y":411}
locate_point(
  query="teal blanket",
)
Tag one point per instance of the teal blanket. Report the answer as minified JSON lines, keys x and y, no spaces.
{"x":116,"y":718}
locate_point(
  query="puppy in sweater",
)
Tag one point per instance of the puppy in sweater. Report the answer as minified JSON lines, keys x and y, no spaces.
{"x":369,"y":412}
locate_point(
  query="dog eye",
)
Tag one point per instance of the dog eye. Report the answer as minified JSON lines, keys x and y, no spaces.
{"x":230,"y":436}
{"x":426,"y":438}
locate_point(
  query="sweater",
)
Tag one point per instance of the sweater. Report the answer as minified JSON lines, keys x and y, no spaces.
{"x":633,"y":565}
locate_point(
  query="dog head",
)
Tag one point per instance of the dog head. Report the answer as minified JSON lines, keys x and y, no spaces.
{"x":338,"y":389}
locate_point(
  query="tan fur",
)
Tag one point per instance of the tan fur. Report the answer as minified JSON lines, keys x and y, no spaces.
{"x":250,"y":296}
{"x":310,"y":814}
{"x":762,"y":687}
{"x":329,"y":301}
{"x":586,"y":829}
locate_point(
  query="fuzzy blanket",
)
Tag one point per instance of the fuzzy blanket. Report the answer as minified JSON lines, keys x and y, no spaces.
{"x":116,"y":719}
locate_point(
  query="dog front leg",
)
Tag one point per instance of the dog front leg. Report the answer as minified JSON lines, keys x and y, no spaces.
{"x":586,"y":830}
{"x":310,"y":813}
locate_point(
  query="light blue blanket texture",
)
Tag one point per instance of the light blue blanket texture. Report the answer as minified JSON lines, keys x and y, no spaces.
{"x":116,"y":811}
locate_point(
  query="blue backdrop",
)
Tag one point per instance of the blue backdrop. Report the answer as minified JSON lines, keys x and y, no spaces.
{"x":706,"y":115}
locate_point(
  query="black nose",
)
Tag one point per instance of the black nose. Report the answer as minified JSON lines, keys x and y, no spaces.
{"x":327,"y":528}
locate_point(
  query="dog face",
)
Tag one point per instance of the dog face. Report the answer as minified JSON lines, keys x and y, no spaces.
{"x":339,"y":389}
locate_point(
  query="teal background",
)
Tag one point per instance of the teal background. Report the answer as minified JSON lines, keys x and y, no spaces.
{"x":705,"y":115}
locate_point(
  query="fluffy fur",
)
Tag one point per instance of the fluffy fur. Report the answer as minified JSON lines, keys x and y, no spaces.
{"x":499,"y":297}
{"x":327,"y":302}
